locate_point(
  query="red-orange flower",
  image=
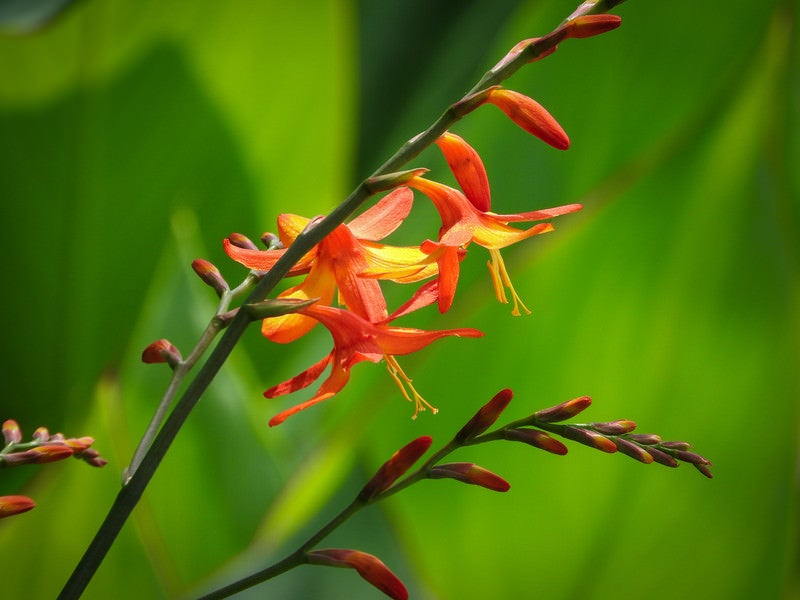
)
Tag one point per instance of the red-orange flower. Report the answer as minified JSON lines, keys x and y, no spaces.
{"x":355,"y":340}
{"x":339,"y":261}
{"x":463,"y":223}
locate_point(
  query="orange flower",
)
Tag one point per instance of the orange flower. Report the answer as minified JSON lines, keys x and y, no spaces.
{"x":355,"y":340}
{"x":463,"y":223}
{"x":342,"y":261}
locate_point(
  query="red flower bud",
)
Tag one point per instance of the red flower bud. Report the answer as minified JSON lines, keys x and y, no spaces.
{"x":635,"y":451}
{"x":614,"y":427}
{"x":162,"y":351}
{"x":589,"y":438}
{"x":530,"y":116}
{"x":210,"y":275}
{"x":369,"y":567}
{"x":14,"y":505}
{"x":401,"y":461}
{"x":472,"y":474}
{"x":11,"y":432}
{"x":591,"y":25}
{"x":486,"y":416}
{"x":242,"y":241}
{"x":537,"y":439}
{"x":41,"y":434}
{"x":565,"y":410}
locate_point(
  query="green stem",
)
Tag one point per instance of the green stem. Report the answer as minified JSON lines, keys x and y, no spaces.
{"x":130,"y":494}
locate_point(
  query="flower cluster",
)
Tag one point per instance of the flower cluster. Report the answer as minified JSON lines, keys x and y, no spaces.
{"x":43,"y":448}
{"x":349,"y":263}
{"x":342,"y":274}
{"x":395,"y":474}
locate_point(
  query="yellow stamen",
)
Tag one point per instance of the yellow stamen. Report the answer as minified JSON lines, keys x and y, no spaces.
{"x":402,"y":380}
{"x":501,"y":280}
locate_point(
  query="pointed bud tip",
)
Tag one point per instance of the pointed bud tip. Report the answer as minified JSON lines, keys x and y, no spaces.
{"x":486,"y":416}
{"x":14,"y":505}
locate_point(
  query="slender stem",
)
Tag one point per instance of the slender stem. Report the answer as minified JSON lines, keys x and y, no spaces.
{"x":298,"y":557}
{"x":130,"y":494}
{"x":214,"y":326}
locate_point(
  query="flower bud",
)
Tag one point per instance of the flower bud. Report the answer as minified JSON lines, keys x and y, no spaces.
{"x":49,"y":453}
{"x":676,"y":445}
{"x":635,"y":451}
{"x":648,"y":439}
{"x":589,"y":438}
{"x":470,"y":473}
{"x":210,"y":275}
{"x":537,"y":439}
{"x":691,"y":457}
{"x":486,"y":416}
{"x":400,"y":462}
{"x":614,"y":427}
{"x":662,"y":457}
{"x":11,"y":432}
{"x":562,"y":412}
{"x":242,"y":241}
{"x":369,"y":567}
{"x":79,"y":444}
{"x":271,"y":241}
{"x":14,"y":505}
{"x":162,"y":351}
{"x":530,"y":116}
{"x":704,"y":470}
{"x":590,"y":25}
{"x":41,"y":434}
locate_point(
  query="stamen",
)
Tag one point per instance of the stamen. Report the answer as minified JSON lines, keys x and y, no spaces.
{"x":402,"y":380}
{"x":500,"y":279}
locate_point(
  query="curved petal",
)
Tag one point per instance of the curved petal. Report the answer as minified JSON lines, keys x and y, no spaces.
{"x":264,"y":260}
{"x":538,"y":215}
{"x":496,"y":234}
{"x":384,"y":217}
{"x":467,"y":166}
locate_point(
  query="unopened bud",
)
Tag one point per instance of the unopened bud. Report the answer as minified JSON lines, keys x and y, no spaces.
{"x":565,"y":410}
{"x":210,"y":275}
{"x":648,"y":439}
{"x":614,"y":427}
{"x":41,"y":434}
{"x":470,"y":473}
{"x":589,"y":438}
{"x":635,"y":451}
{"x":691,"y":457}
{"x":662,"y":457}
{"x":162,"y":351}
{"x":79,"y":444}
{"x":12,"y":434}
{"x":486,"y":416}
{"x":704,"y":470}
{"x":537,"y":439}
{"x":400,"y":462}
{"x":372,"y":569}
{"x":14,"y":505}
{"x":590,"y":25}
{"x":676,"y":445}
{"x":271,"y":241}
{"x":530,"y":116}
{"x":49,"y":453}
{"x":242,"y":241}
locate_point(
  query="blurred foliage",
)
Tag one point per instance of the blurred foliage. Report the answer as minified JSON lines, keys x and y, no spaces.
{"x":136,"y":135}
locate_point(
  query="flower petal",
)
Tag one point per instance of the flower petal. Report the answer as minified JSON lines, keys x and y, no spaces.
{"x":468,"y":168}
{"x":384,"y":217}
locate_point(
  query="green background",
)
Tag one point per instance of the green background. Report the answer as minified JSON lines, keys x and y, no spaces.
{"x":134,"y":136}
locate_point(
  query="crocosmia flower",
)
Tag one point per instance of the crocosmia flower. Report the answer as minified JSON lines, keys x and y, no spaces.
{"x":339,"y":261}
{"x":355,"y":339}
